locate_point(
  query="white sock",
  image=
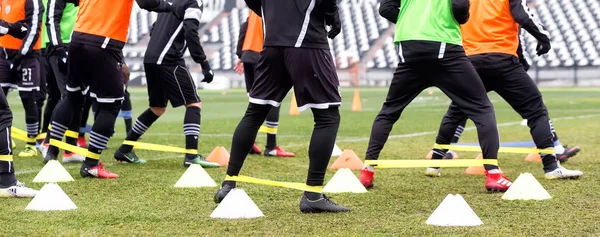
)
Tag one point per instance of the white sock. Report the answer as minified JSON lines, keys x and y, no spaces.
{"x":559,"y":149}
{"x":494,"y":171}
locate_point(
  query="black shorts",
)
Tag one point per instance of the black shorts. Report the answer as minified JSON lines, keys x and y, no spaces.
{"x":249,"y":74}
{"x":96,"y":69}
{"x":310,"y":71}
{"x":170,"y":83}
{"x":25,"y":79}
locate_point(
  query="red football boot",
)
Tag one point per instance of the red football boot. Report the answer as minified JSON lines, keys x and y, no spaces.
{"x":255,"y":150}
{"x":97,"y":171}
{"x":366,"y":177}
{"x":278,"y":152}
{"x":496,"y":182}
{"x":81,"y":142}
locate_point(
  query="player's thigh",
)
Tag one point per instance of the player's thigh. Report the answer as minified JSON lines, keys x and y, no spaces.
{"x":8,"y":77}
{"x":272,"y":80}
{"x":314,"y":76}
{"x":520,"y":92}
{"x":408,"y":80}
{"x":59,"y":77}
{"x":459,"y":80}
{"x":80,"y":68}
{"x":105,"y":75}
{"x":183,"y":91}
{"x":29,"y":79}
{"x":156,"y":78}
{"x":249,"y":74}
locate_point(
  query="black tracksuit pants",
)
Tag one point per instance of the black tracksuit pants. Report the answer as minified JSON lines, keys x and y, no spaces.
{"x":457,"y":78}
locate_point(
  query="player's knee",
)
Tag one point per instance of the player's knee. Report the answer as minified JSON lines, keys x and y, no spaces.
{"x":158,"y":111}
{"x":110,"y":107}
{"x":198,"y":104}
{"x":27,"y":98}
{"x":326,"y":117}
{"x":74,"y":99}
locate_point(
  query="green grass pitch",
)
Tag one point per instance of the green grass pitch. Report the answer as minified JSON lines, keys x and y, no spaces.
{"x":143,"y":201}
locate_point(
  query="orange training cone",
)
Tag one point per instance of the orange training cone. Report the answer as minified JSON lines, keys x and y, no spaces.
{"x":429,"y":155}
{"x":356,"y":103}
{"x":294,"y":106}
{"x":349,"y":160}
{"x":533,"y":158}
{"x":477,"y":169}
{"x":219,"y":155}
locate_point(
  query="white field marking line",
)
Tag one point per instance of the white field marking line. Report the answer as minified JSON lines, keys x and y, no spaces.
{"x":409,"y":135}
{"x":74,"y":167}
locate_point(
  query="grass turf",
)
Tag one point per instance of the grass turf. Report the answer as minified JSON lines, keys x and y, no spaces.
{"x":143,"y":201}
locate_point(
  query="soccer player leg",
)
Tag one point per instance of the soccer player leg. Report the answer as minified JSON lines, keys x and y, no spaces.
{"x":408,"y":81}
{"x":53,"y":92}
{"x":41,"y":94}
{"x":272,"y":124}
{"x":126,"y":110}
{"x":270,"y":87}
{"x":316,"y":86}
{"x":8,"y":77}
{"x":157,"y":78}
{"x":249,"y":74}
{"x":450,"y":129}
{"x":182,"y":91}
{"x":83,"y":126}
{"x":103,"y":74}
{"x":457,"y":78}
{"x":519,"y":90}
{"x":72,"y":96}
{"x":29,"y":86}
{"x":9,"y":186}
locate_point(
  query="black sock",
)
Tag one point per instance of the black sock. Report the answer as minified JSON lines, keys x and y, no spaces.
{"x":7,"y":170}
{"x":128,"y":124}
{"x":327,"y":122}
{"x":142,"y":123}
{"x":50,"y":106}
{"x":228,"y":183}
{"x":62,"y":117}
{"x":31,"y":114}
{"x":549,"y":161}
{"x":102,"y":129}
{"x":459,"y":130}
{"x":312,"y":195}
{"x":272,"y":123}
{"x":85,"y":113}
{"x":39,"y":103}
{"x":74,"y":126}
{"x":191,"y":129}
{"x":542,"y":133}
{"x":244,"y":136}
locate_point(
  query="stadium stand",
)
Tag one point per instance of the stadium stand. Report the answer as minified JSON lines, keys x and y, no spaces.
{"x":366,"y":39}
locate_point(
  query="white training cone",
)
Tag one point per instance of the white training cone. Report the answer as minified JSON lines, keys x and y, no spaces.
{"x":336,"y":151}
{"x":237,"y":204}
{"x":524,"y":122}
{"x":53,"y":172}
{"x":526,"y":187}
{"x":454,"y":211}
{"x":194,"y":177}
{"x":51,"y":198}
{"x":344,"y":181}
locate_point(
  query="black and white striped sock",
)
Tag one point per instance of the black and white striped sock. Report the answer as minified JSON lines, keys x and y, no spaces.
{"x":32,"y":130}
{"x":142,"y":123}
{"x":191,"y":127}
